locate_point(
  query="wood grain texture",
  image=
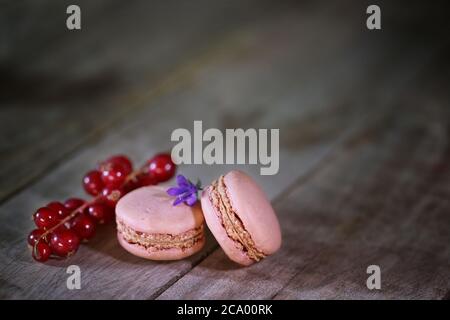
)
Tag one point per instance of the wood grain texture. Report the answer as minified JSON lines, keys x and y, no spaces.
{"x":382,"y":198}
{"x":226,"y":85}
{"x":69,"y":88}
{"x":363,"y":176}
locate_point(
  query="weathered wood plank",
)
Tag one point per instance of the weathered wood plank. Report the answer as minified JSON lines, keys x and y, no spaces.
{"x":311,"y":87}
{"x":237,"y":80}
{"x":67,"y":88}
{"x":381,"y":198}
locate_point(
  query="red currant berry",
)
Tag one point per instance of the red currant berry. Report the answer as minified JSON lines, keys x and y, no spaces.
{"x":41,"y":252}
{"x":123,"y":160}
{"x":60,"y":209}
{"x":113,"y":174}
{"x":64,"y":242}
{"x":111,"y":196}
{"x":62,"y":227}
{"x":147,"y":179}
{"x":162,"y":167}
{"x":131,"y":185}
{"x":93,"y":183}
{"x":83,"y":226}
{"x":100,"y":212}
{"x":141,"y":180}
{"x":35,"y":235}
{"x":73,"y":203}
{"x":45,"y":218}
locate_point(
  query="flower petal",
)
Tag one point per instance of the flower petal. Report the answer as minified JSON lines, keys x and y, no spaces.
{"x":177,"y":201}
{"x":191,"y":200}
{"x":182,"y":181}
{"x":185,"y":192}
{"x":174,"y":191}
{"x":192,"y":189}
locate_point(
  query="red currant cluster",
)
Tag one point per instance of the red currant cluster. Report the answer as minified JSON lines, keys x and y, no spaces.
{"x":62,"y":226}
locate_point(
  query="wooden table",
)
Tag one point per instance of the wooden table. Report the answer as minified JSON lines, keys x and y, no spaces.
{"x":364,"y":121}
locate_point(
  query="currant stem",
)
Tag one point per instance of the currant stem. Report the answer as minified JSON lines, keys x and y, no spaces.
{"x":134,"y":174}
{"x":70,"y":216}
{"x":80,"y":209}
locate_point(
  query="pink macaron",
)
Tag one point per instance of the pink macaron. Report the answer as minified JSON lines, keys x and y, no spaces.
{"x":241,"y":218}
{"x":149,"y":226}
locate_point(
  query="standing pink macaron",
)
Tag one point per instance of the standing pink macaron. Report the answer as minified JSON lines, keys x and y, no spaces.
{"x":149,"y":226}
{"x":241,"y":218}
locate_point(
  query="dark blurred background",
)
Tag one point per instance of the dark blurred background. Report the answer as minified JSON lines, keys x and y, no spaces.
{"x":364,"y":121}
{"x":60,"y":88}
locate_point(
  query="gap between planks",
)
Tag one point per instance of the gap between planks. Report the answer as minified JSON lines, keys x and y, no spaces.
{"x":224,"y":44}
{"x":175,"y":278}
{"x":49,"y":276}
{"x":353,"y":134}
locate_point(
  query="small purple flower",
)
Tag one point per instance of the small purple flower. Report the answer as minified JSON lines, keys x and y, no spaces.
{"x":185,"y":192}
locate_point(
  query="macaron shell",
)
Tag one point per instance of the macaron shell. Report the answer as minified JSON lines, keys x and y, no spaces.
{"x":166,"y":254}
{"x":150,"y":210}
{"x":255,"y":211}
{"x":215,"y":225}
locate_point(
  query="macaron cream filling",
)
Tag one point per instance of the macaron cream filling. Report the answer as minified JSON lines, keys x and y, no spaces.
{"x":231,"y":222}
{"x":161,"y":241}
